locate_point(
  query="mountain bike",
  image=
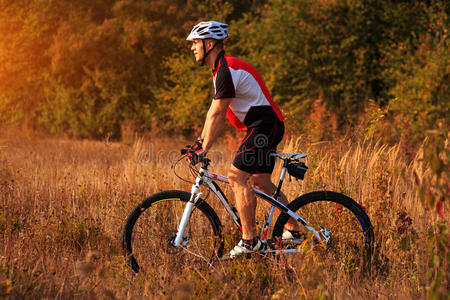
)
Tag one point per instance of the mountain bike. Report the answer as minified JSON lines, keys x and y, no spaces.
{"x":180,"y":228}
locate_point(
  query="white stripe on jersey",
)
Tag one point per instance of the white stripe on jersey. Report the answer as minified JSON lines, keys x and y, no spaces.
{"x":248,"y":93}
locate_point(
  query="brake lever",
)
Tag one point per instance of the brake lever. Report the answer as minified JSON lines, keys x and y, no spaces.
{"x":186,"y":151}
{"x":205,"y":160}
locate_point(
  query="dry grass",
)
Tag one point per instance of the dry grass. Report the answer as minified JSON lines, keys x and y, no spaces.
{"x":63,"y":204}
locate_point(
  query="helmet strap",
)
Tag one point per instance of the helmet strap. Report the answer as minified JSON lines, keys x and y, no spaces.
{"x":206,"y":53}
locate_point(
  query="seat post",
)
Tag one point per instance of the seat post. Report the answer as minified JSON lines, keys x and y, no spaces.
{"x":283,"y":174}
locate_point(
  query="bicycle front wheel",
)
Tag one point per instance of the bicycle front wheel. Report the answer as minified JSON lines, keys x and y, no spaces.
{"x":151,"y":227}
{"x":343,"y":222}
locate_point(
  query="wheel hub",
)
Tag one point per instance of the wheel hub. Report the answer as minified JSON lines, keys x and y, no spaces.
{"x":170,"y":245}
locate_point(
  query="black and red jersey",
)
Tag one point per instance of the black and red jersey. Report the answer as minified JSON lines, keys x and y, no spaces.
{"x":251,"y":103}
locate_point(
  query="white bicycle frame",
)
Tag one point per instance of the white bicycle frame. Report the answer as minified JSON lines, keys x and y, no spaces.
{"x":207,"y":177}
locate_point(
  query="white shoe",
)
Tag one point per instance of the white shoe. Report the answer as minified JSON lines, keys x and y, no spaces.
{"x":288,"y":238}
{"x":242,"y":248}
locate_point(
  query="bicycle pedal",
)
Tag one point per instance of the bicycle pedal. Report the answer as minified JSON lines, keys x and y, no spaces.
{"x":290,"y":244}
{"x":227,"y":257}
{"x":249,"y":255}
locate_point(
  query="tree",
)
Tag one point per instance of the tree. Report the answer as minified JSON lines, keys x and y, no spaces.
{"x":335,"y":51}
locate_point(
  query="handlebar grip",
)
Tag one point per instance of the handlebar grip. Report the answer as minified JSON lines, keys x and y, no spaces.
{"x":204,"y":160}
{"x":186,"y":151}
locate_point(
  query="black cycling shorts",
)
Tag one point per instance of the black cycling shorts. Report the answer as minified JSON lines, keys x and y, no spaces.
{"x":253,"y":155}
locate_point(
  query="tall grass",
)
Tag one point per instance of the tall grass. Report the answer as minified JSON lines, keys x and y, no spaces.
{"x":63,"y":204}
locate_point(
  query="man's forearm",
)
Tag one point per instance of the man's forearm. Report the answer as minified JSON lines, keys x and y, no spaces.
{"x":206,"y":125}
{"x":214,"y":121}
{"x":213,"y":126}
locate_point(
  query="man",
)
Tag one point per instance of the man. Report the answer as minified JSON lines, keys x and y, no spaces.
{"x":241,"y":95}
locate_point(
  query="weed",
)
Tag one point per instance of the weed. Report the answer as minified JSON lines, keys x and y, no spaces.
{"x":63,"y":204}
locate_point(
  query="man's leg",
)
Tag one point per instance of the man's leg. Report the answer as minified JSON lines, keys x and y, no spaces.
{"x":245,"y":200}
{"x":263,"y":182}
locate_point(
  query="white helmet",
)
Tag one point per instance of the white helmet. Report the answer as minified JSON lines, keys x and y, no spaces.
{"x":209,"y":30}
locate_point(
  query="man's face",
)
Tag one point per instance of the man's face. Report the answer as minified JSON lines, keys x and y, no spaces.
{"x":197,"y":48}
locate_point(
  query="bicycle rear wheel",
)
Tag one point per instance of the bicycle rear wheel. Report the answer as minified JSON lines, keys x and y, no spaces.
{"x":151,"y":228}
{"x":351,"y":233}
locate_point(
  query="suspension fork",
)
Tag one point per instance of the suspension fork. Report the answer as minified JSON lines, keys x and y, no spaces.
{"x":195,"y":196}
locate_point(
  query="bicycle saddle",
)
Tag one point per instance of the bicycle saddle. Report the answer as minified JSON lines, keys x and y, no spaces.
{"x":290,"y":155}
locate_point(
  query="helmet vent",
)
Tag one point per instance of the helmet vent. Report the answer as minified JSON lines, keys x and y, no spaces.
{"x":209,"y":30}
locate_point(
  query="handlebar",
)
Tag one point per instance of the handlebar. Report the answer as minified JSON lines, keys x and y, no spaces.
{"x":205,"y":161}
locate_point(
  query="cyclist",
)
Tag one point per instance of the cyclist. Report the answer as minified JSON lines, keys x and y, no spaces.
{"x":241,"y":95}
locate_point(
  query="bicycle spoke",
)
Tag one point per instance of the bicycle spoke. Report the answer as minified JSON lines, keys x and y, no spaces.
{"x":340,"y":220}
{"x":155,"y":228}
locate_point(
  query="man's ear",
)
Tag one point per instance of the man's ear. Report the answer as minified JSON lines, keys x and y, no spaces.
{"x":210,"y":44}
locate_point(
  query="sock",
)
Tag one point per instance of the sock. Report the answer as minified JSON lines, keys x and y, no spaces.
{"x":295,"y":233}
{"x":249,"y":244}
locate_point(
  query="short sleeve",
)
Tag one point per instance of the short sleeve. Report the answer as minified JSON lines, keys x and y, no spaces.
{"x":224,"y":86}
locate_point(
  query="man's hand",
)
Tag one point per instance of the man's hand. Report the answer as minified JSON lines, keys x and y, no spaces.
{"x":198,"y":154}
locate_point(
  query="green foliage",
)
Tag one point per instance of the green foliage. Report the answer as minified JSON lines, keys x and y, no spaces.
{"x":434,"y":189}
{"x":26,"y":29}
{"x":186,"y":97}
{"x":334,"y":51}
{"x":422,"y":95}
{"x":438,"y":249}
{"x":114,"y":65}
{"x":96,"y":65}
{"x":434,"y":193}
{"x":5,"y":284}
{"x":85,"y":68}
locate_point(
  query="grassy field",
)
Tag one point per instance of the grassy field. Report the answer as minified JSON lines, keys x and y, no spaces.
{"x":63,"y":204}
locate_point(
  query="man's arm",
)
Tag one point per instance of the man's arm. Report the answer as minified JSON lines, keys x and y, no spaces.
{"x":214,"y":121}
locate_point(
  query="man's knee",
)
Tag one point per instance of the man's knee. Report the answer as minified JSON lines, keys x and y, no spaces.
{"x":237,"y":177}
{"x":262,"y":181}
